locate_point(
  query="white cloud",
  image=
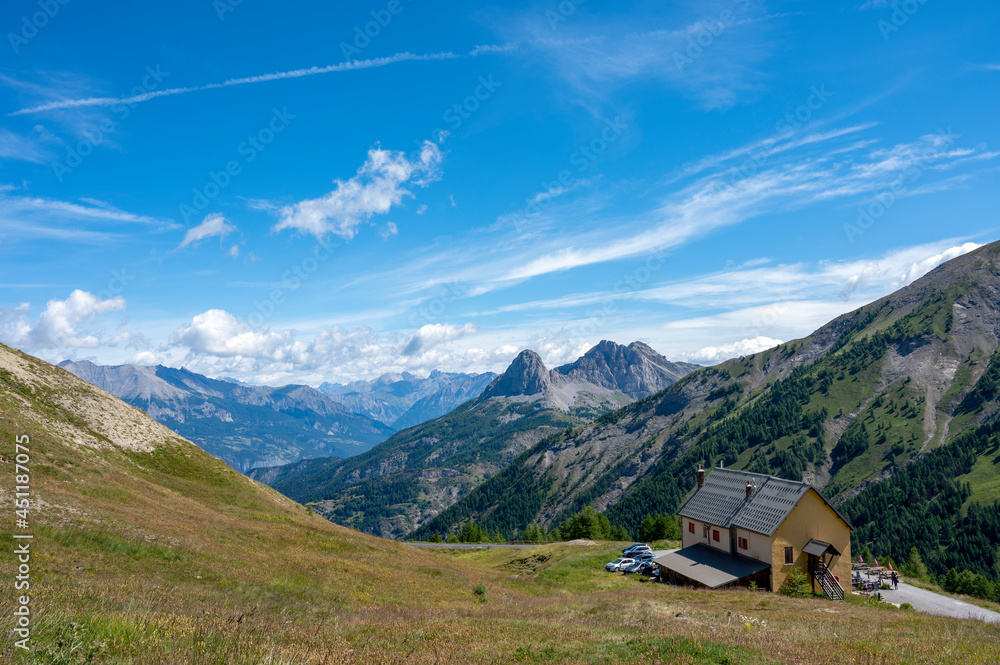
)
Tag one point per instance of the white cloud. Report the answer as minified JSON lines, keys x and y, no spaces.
{"x":144,"y":358}
{"x":217,"y":343}
{"x":433,"y":334}
{"x":213,"y":226}
{"x":898,"y":269}
{"x":712,"y":355}
{"x":58,"y":325}
{"x":380,"y":183}
{"x":389,"y":231}
{"x":219,"y":333}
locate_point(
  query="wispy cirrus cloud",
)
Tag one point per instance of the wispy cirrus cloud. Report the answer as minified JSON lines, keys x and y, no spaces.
{"x":353,"y":65}
{"x":848,"y":166}
{"x":18,"y":146}
{"x":711,"y":52}
{"x":716,"y":201}
{"x":37,"y":217}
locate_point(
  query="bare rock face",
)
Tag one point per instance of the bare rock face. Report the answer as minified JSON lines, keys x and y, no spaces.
{"x":636,"y":369}
{"x":526,"y":375}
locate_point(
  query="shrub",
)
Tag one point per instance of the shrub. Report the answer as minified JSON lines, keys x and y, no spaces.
{"x":480,"y":591}
{"x":796,"y":584}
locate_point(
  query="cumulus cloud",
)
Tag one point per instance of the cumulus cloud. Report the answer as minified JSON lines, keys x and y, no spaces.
{"x":436,"y":333}
{"x":219,"y":333}
{"x":380,"y":183}
{"x":213,"y":226}
{"x":58,"y":325}
{"x":716,"y":354}
{"x":216,"y":343}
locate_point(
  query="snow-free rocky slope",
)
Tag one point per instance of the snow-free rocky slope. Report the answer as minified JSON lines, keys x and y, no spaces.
{"x":420,"y":471}
{"x":862,"y":397}
{"x":403,"y":400}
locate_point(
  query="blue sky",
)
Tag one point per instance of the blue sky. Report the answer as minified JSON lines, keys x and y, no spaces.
{"x":320,"y":193}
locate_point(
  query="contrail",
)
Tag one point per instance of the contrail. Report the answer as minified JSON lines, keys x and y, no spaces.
{"x":295,"y":73}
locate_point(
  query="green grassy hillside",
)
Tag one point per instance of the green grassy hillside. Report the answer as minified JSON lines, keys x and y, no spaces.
{"x":415,"y":474}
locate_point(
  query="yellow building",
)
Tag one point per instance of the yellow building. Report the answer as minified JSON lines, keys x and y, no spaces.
{"x":740,"y":527}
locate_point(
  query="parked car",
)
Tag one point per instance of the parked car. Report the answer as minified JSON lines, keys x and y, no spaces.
{"x":618,"y":564}
{"x":638,"y":548}
{"x":633,"y":568}
{"x":640,"y":561}
{"x":632,"y":547}
{"x":648,"y":568}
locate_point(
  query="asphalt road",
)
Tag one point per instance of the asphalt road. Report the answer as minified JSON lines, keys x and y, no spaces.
{"x":469,"y":546}
{"x":935,"y":603}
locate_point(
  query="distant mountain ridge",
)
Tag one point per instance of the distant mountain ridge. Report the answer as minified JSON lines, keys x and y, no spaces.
{"x":418,"y":472}
{"x":246,"y":426}
{"x":403,"y":400}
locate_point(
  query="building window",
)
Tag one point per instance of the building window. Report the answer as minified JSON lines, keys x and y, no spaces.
{"x":744,"y":545}
{"x":715,"y":535}
{"x":691,"y":527}
{"x":789,"y":556}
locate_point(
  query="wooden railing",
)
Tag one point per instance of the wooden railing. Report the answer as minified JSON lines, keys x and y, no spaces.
{"x":829,"y":583}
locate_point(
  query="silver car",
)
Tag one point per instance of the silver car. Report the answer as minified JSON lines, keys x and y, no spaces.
{"x":640,"y":561}
{"x":618,"y":564}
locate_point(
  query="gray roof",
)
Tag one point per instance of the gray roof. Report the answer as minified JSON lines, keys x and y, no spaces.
{"x":819,"y":548}
{"x":710,"y":566}
{"x":722,"y":501}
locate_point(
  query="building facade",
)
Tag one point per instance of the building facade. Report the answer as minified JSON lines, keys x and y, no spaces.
{"x":740,"y":527}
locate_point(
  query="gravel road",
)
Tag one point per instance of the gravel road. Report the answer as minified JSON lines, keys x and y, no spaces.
{"x":935,"y":603}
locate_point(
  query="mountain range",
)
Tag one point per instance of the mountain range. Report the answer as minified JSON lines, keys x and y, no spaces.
{"x":144,"y":548}
{"x":881,"y":409}
{"x":407,"y":480}
{"x":246,"y":426}
{"x":403,"y":400}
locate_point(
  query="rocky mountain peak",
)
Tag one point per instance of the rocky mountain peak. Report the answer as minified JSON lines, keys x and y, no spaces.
{"x":636,"y":369}
{"x":526,"y":375}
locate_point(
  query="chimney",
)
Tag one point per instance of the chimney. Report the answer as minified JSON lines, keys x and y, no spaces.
{"x":701,"y":476}
{"x":749,"y":489}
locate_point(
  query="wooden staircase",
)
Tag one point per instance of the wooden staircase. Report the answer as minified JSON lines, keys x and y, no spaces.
{"x":829,"y":583}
